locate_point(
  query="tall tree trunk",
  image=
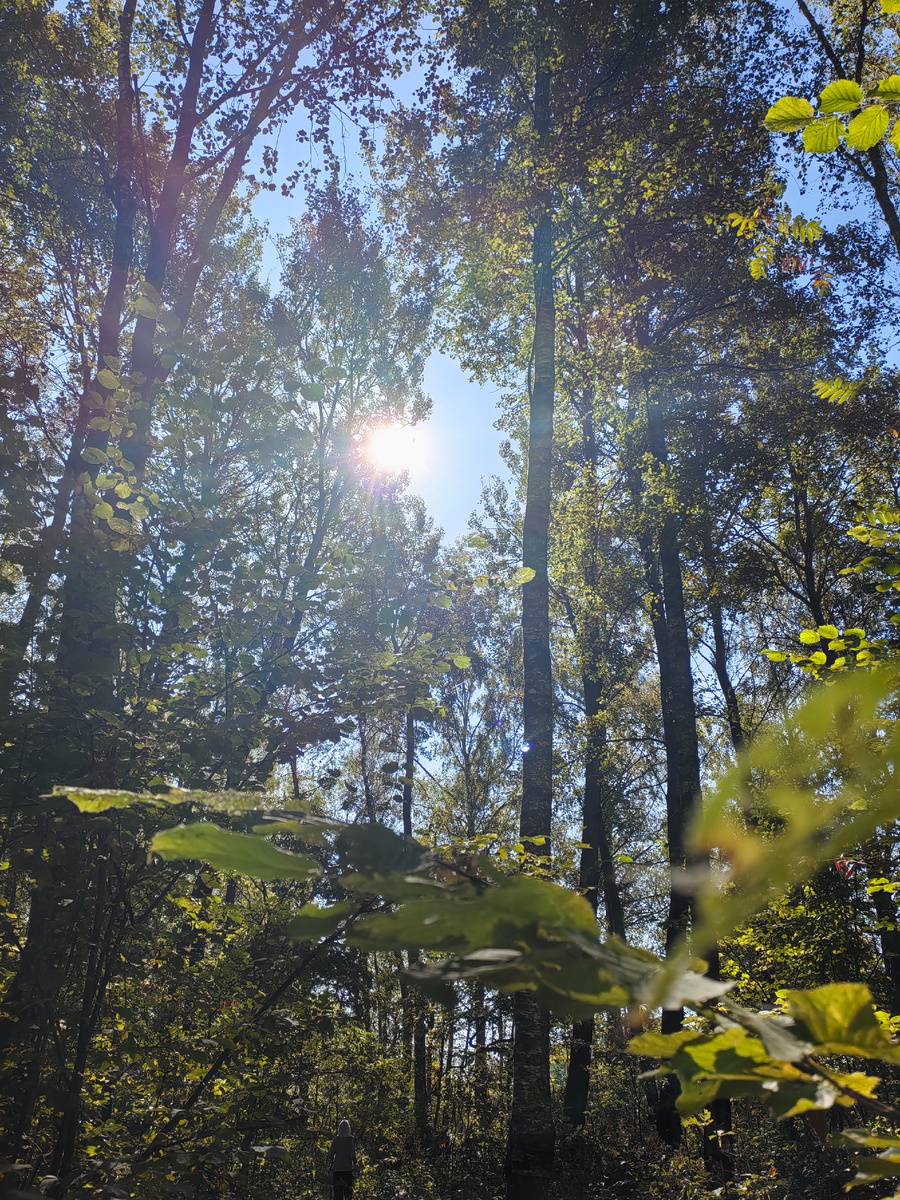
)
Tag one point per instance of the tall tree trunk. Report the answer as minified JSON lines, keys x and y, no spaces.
{"x":421,"y":1070}
{"x":682,"y":791}
{"x":531,"y":1137}
{"x":96,"y":399}
{"x":95,"y":981}
{"x":481,"y":1074}
{"x":597,"y":873}
{"x":420,"y":1019}
{"x":409,"y":767}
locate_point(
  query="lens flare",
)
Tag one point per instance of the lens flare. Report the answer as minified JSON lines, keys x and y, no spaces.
{"x":391,"y":449}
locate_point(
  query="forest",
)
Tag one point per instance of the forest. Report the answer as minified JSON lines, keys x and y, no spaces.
{"x":560,"y":858}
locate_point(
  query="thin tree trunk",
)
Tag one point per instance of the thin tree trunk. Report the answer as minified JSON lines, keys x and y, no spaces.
{"x":720,"y":646}
{"x":420,"y":1065}
{"x":880,"y":866}
{"x":481,"y":1081}
{"x":96,"y":976}
{"x":408,"y":767}
{"x":368,"y":797}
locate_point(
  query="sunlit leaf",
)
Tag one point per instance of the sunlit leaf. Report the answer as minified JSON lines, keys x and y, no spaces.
{"x":889,"y":89}
{"x":235,"y":852}
{"x":842,"y":96}
{"x":825,"y":779}
{"x":868,"y":128}
{"x":822,"y":136}
{"x":788,"y":114}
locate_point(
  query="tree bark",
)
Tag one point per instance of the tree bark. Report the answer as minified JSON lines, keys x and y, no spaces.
{"x":683,"y":793}
{"x":531,"y":1137}
{"x":95,"y":398}
{"x":597,"y":873}
{"x":720,"y":646}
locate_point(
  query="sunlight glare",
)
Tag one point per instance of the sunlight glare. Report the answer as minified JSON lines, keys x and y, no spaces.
{"x":394,"y":448}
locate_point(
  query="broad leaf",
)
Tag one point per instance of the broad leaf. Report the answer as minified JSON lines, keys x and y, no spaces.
{"x":839,"y":1019}
{"x":235,"y":852}
{"x":822,"y":137}
{"x":842,"y":96}
{"x":788,"y":114}
{"x":868,"y":128}
{"x":889,"y":89}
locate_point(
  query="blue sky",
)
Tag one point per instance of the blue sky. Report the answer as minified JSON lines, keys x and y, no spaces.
{"x":460,"y":443}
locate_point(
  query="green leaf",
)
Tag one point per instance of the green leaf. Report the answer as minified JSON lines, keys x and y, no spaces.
{"x":810,"y":637}
{"x":822,"y":136}
{"x":94,"y":456}
{"x":829,"y":632}
{"x":868,"y":128}
{"x":227,"y":801}
{"x":104,"y":510}
{"x":375,"y":852}
{"x":120,"y":525}
{"x":890,"y":6}
{"x":840,"y":1019}
{"x":781,"y":1037}
{"x":808,"y":775}
{"x":240,"y":853}
{"x":869,"y":1170}
{"x":312,"y":391}
{"x":863,"y":1139}
{"x":94,"y":800}
{"x":108,"y":379}
{"x":440,"y":601}
{"x":842,"y":96}
{"x":146,"y":308}
{"x":775,"y":655}
{"x":523,"y":575}
{"x":889,"y":89}
{"x":836,"y":390}
{"x":312,"y":923}
{"x":789,"y":113}
{"x":462,"y":661}
{"x":662,"y":1045}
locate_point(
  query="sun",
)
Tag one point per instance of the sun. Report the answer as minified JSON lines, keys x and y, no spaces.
{"x":391,"y":449}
